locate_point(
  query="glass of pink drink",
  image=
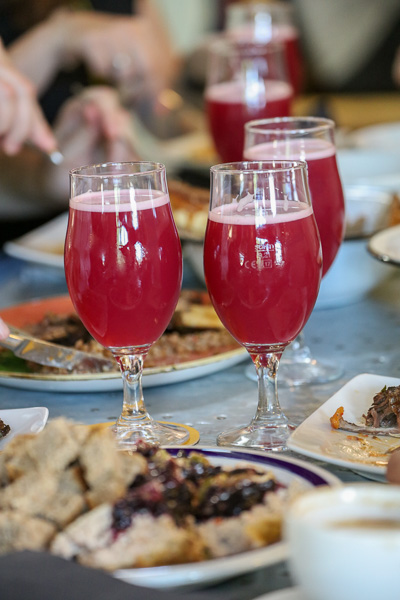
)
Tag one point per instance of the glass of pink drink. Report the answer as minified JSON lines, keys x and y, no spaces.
{"x":266,"y":22}
{"x":262,"y":264}
{"x":310,"y":139}
{"x":245,"y":81}
{"x":123,"y":265}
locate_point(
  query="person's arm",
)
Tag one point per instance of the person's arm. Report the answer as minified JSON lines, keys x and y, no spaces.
{"x":21,"y":118}
{"x":131,"y":51}
{"x":92,"y":127}
{"x":40,"y":53}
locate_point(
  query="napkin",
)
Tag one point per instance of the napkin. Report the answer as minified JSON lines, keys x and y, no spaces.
{"x":39,"y":576}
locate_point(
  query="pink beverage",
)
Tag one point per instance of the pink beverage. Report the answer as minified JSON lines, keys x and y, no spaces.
{"x":288,"y":36}
{"x":263,"y":280}
{"x":230,"y":105}
{"x":123,"y":266}
{"x":284,"y":34}
{"x":324,"y":182}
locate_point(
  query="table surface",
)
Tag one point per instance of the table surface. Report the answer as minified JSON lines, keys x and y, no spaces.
{"x":361,"y":338}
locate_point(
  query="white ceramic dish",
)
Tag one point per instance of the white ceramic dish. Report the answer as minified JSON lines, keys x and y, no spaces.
{"x":292,"y":593}
{"x":370,"y":166}
{"x":196,"y":575}
{"x":23,"y":420}
{"x":383,"y":136}
{"x":354,"y":273}
{"x":103,"y":382}
{"x":385,"y":245}
{"x":34,"y":310}
{"x":362,"y":453}
{"x":352,"y":530}
{"x":43,"y":245}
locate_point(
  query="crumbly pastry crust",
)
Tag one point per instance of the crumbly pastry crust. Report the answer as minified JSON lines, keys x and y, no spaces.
{"x":68,"y":490}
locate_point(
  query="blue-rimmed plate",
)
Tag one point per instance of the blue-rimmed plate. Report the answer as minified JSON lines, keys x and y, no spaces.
{"x":287,"y":470}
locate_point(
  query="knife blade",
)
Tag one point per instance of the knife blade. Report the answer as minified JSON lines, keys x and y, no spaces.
{"x":53,"y":355}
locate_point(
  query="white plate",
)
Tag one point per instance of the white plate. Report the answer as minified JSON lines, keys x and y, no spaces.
{"x":370,"y":166}
{"x":383,"y":136}
{"x":196,"y":575}
{"x":385,"y":245}
{"x":23,"y":420}
{"x":362,"y":453}
{"x":34,"y":310}
{"x":292,"y":593}
{"x":104,"y":382}
{"x":43,"y":245}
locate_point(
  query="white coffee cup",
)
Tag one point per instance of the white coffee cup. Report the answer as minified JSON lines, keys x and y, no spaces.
{"x":344,"y":542}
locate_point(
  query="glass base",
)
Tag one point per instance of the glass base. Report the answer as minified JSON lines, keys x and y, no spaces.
{"x":151,"y":432}
{"x":272,"y":438}
{"x":302,"y":372}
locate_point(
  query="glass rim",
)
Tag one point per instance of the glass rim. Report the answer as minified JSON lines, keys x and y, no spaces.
{"x":260,"y":166}
{"x":83,"y":171}
{"x":227,"y":46}
{"x":318,"y":124}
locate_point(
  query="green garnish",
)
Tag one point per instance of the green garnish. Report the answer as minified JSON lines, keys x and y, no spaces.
{"x":9,"y":363}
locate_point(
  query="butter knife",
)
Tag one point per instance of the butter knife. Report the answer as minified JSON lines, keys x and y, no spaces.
{"x":54,"y":355}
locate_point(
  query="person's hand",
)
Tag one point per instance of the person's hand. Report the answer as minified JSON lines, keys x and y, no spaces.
{"x":93,"y":127}
{"x":131,"y":51}
{"x":94,"y":124}
{"x":393,"y":468}
{"x":4,"y":331}
{"x":21,"y":118}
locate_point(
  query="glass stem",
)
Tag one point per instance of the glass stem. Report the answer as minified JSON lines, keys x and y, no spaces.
{"x":131,"y":366}
{"x":268,"y":408}
{"x":298,"y":351}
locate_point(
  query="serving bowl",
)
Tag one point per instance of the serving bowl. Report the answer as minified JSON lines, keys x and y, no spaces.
{"x":354,"y":272}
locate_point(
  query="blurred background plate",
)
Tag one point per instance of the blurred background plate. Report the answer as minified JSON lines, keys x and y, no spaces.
{"x":43,"y":245}
{"x":385,"y":246}
{"x":383,"y":136}
{"x":370,"y":167}
{"x":22,"y":421}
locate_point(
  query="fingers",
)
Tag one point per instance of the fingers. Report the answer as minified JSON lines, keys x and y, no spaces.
{"x":41,"y":134}
{"x":130,"y":52}
{"x":107,"y":125}
{"x":103,"y":110}
{"x":4,"y":331}
{"x":20,"y":116}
